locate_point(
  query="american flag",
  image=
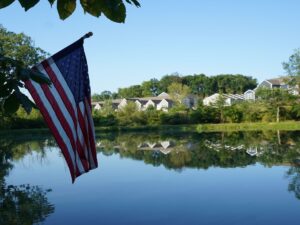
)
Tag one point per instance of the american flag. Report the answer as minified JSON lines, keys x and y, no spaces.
{"x":66,"y":106}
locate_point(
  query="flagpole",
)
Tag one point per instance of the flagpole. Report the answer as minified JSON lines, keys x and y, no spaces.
{"x":87,"y":35}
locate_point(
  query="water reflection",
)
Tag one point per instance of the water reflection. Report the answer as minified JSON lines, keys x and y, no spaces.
{"x":27,"y":204}
{"x":205,"y":150}
{"x":202,"y":151}
{"x":21,"y":204}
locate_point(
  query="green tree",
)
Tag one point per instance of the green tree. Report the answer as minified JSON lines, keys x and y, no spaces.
{"x":275,"y":99}
{"x":129,"y":115}
{"x":107,"y":108}
{"x":292,"y":68}
{"x":150,"y":88}
{"x":220,"y":105}
{"x":104,"y":95}
{"x":17,"y":55}
{"x":167,"y":80}
{"x":114,"y":10}
{"x":178,"y":91}
{"x":131,"y":92}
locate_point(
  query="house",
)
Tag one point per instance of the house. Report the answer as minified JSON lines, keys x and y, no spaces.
{"x":274,"y":83}
{"x":161,"y":102}
{"x":281,"y":83}
{"x":99,"y":105}
{"x":229,"y":99}
{"x":190,"y":101}
{"x":211,"y":100}
{"x":249,"y":95}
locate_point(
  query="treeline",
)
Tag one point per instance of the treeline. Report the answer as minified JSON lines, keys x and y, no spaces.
{"x":198,"y":84}
{"x":271,"y":106}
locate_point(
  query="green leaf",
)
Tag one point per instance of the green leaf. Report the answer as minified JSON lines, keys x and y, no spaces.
{"x":4,"y":3}
{"x":27,"y":4}
{"x":39,"y":77}
{"x":26,"y":103}
{"x":135,"y":2}
{"x":11,"y":104}
{"x":65,"y":8}
{"x":93,"y":7}
{"x":51,"y":2}
{"x":24,"y":74}
{"x":114,"y":10}
{"x":4,"y":90}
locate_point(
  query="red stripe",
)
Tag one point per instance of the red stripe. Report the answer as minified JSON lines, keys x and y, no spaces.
{"x":52,"y":127}
{"x":63,"y":121}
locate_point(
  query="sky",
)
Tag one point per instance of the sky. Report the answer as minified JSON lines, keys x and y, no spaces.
{"x":249,"y":37}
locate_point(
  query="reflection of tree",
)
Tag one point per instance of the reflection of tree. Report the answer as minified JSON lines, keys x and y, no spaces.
{"x":206,"y":150}
{"x":294,"y":176}
{"x":23,"y":204}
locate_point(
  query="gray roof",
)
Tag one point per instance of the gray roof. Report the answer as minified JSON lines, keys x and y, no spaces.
{"x":278,"y":81}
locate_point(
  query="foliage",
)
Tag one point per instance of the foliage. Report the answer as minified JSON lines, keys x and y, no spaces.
{"x":131,"y":92}
{"x":292,"y":67}
{"x":22,"y":204}
{"x":114,"y":10}
{"x":104,"y":95}
{"x":198,"y":84}
{"x":130,"y":116}
{"x":150,"y":88}
{"x":178,"y":92}
{"x":17,"y":55}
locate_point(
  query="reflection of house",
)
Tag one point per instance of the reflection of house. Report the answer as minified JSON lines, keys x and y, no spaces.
{"x":252,"y":151}
{"x":164,"y":147}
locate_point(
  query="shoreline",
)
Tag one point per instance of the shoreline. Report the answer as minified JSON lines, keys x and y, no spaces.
{"x":198,"y":128}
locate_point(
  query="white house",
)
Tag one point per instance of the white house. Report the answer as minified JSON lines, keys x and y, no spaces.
{"x":210,"y":100}
{"x":122,"y":104}
{"x":164,"y":105}
{"x":249,"y":95}
{"x":228,"y":98}
{"x":148,"y":104}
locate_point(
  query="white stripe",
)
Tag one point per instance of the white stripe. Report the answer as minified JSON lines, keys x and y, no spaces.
{"x":58,"y":126}
{"x":82,"y":110}
{"x":61,"y":104}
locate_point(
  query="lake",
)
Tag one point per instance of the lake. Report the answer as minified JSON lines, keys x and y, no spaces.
{"x":154,"y":178}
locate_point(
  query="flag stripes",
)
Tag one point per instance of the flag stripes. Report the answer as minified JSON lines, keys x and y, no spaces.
{"x":70,"y":121}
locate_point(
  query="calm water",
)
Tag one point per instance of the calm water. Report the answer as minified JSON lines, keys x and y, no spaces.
{"x":150,"y":178}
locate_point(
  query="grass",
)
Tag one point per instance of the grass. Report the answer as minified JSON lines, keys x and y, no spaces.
{"x":287,"y":125}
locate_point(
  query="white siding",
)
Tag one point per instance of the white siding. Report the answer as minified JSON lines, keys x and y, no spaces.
{"x":163,"y":105}
{"x":149,"y":103}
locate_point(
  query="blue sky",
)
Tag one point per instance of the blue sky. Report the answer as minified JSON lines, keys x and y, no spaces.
{"x":166,"y":36}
